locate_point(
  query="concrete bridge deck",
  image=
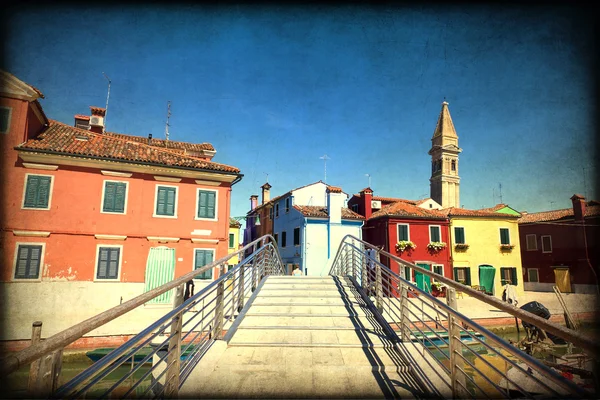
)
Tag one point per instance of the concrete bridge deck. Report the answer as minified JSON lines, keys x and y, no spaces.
{"x":308,"y":337}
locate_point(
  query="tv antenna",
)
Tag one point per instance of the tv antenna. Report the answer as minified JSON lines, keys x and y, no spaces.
{"x":168,"y":115}
{"x":369,"y":176}
{"x":267,"y":174}
{"x":500,"y":188}
{"x":107,"y":96}
{"x":325,"y":158}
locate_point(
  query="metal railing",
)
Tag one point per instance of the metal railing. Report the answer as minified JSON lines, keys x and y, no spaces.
{"x":476,"y":363}
{"x":178,"y":340}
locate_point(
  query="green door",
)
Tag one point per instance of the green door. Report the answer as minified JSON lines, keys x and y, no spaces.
{"x":160,"y":269}
{"x":423,"y":281}
{"x":486,"y":278}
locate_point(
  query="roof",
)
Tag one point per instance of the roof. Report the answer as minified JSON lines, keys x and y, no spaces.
{"x":64,"y":139}
{"x":592,"y":210}
{"x":406,"y":209}
{"x":10,"y":84}
{"x":274,"y":199}
{"x":388,"y":199}
{"x":169,"y":144}
{"x":334,"y":189}
{"x":321,"y":212}
{"x":234,"y":223}
{"x":445,"y":126}
{"x":486,"y":213}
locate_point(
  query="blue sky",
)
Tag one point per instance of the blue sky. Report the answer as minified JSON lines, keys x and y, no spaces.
{"x":274,"y":88}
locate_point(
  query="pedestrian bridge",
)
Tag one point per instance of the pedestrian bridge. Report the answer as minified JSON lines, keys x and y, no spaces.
{"x":363,"y":331}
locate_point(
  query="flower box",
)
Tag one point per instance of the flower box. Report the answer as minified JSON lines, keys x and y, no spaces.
{"x":461,"y":246}
{"x":436,"y":246}
{"x":507,"y":247}
{"x":405,"y":245}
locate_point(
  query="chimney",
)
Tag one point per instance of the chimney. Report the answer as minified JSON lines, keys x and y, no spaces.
{"x":578,"y":206}
{"x":97,"y":119}
{"x":335,"y":202}
{"x":82,"y":122}
{"x":149,"y":138}
{"x":366,"y":196}
{"x":253,"y":201}
{"x":266,"y":193}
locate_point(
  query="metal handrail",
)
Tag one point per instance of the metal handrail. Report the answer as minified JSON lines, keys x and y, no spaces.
{"x":391,"y":298}
{"x":62,"y":339}
{"x":225,"y":295}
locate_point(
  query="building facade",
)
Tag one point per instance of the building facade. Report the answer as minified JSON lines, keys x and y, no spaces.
{"x":560,"y":248}
{"x":93,"y":218}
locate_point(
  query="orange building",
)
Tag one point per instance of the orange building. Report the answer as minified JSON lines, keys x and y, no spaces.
{"x":92,"y":218}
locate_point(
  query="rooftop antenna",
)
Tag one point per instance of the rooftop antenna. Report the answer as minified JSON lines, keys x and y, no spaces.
{"x":500,"y":187}
{"x":369,"y":176}
{"x":552,"y":202}
{"x":584,"y":184}
{"x":267,"y":174}
{"x":168,"y":115}
{"x":107,"y":96}
{"x":325,"y":158}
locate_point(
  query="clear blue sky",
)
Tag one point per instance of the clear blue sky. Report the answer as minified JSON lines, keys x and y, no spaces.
{"x":274,"y":88}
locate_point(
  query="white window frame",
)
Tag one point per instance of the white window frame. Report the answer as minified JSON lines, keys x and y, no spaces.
{"x":534,"y":241}
{"x":126,"y":197}
{"x":542,"y":240}
{"x":508,"y":267}
{"x":194,"y":263}
{"x":437,"y":265}
{"x":9,"y":119}
{"x":16,"y":258}
{"x":537,"y":271}
{"x":216,"y":218}
{"x":398,"y":231}
{"x":154,"y":215}
{"x":118,"y":246}
{"x":454,"y":231}
{"x":51,"y":190}
{"x":500,"y":234}
{"x":439,"y":229}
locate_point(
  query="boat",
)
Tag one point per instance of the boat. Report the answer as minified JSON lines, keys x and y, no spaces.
{"x":440,"y":338}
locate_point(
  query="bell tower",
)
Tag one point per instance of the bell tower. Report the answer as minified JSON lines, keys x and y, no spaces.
{"x":444,"y":181}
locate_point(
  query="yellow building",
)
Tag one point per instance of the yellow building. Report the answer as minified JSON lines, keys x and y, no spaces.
{"x":234,"y":240}
{"x":485,"y":250}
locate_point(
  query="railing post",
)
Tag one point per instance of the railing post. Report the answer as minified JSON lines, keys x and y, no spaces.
{"x":455,"y":348}
{"x":240,"y":299}
{"x":218,"y":329}
{"x":34,"y":369}
{"x":353,"y":262}
{"x":378,"y":294}
{"x":404,"y":314}
{"x":174,"y":355}
{"x":364,"y":280}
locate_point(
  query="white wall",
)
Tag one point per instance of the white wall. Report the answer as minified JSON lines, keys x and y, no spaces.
{"x":316,"y":248}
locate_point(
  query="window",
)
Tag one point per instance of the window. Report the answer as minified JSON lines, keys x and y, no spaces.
{"x":533,"y":275}
{"x":463,"y":275}
{"x":403,"y":233}
{"x":276,"y":237}
{"x":434,"y":233}
{"x":283,"y":238}
{"x":202,"y":258}
{"x":407,"y":273}
{"x":276,"y":210}
{"x":207,"y":204}
{"x":531,"y":242}
{"x":270,"y":212}
{"x":287,"y":205}
{"x":5,"y":113}
{"x":231,"y":240}
{"x":37,"y":191}
{"x":508,"y":275}
{"x":166,"y":201}
{"x":453,"y":163}
{"x":296,"y":236}
{"x":547,"y":244}
{"x":504,"y":236}
{"x":438,"y":269}
{"x":108,"y":261}
{"x":113,"y":197}
{"x":459,"y":235}
{"x":355,"y":208}
{"x":28,"y":261}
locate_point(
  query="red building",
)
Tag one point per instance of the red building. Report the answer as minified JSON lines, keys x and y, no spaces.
{"x":413,"y":230}
{"x":92,"y":218}
{"x":561,"y":248}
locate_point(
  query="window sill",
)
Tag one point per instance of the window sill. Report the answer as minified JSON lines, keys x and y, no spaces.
{"x":164,"y":216}
{"x":114,"y":213}
{"x":205,"y":219}
{"x":35,"y":208}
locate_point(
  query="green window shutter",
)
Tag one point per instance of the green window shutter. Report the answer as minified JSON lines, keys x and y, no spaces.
{"x":459,"y":235}
{"x":435,"y":233}
{"x":202,"y":258}
{"x":206,"y":204}
{"x":513,"y":276}
{"x":402,"y":232}
{"x":108,"y":263}
{"x":407,"y":273}
{"x":28,"y":262}
{"x":468,"y":276}
{"x":456,"y":274}
{"x":31,"y":191}
{"x":165,"y":203}
{"x":37,"y":191}
{"x":120,"y":191}
{"x":160,"y":269}
{"x":43,"y":192}
{"x":4,"y":119}
{"x":504,"y":236}
{"x":231,"y":240}
{"x":109,"y":197}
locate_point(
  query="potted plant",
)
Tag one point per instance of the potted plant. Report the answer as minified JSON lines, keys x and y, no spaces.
{"x":461,"y":246}
{"x":436,"y":246}
{"x":405,"y":245}
{"x":507,"y":247}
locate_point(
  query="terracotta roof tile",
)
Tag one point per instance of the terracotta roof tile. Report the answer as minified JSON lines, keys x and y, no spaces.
{"x":334,"y":189}
{"x":169,"y":144}
{"x":556,"y":215}
{"x":61,"y":138}
{"x":81,"y":116}
{"x":462,"y":212}
{"x":321,"y":212}
{"x":405,"y":209}
{"x":394,"y":199}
